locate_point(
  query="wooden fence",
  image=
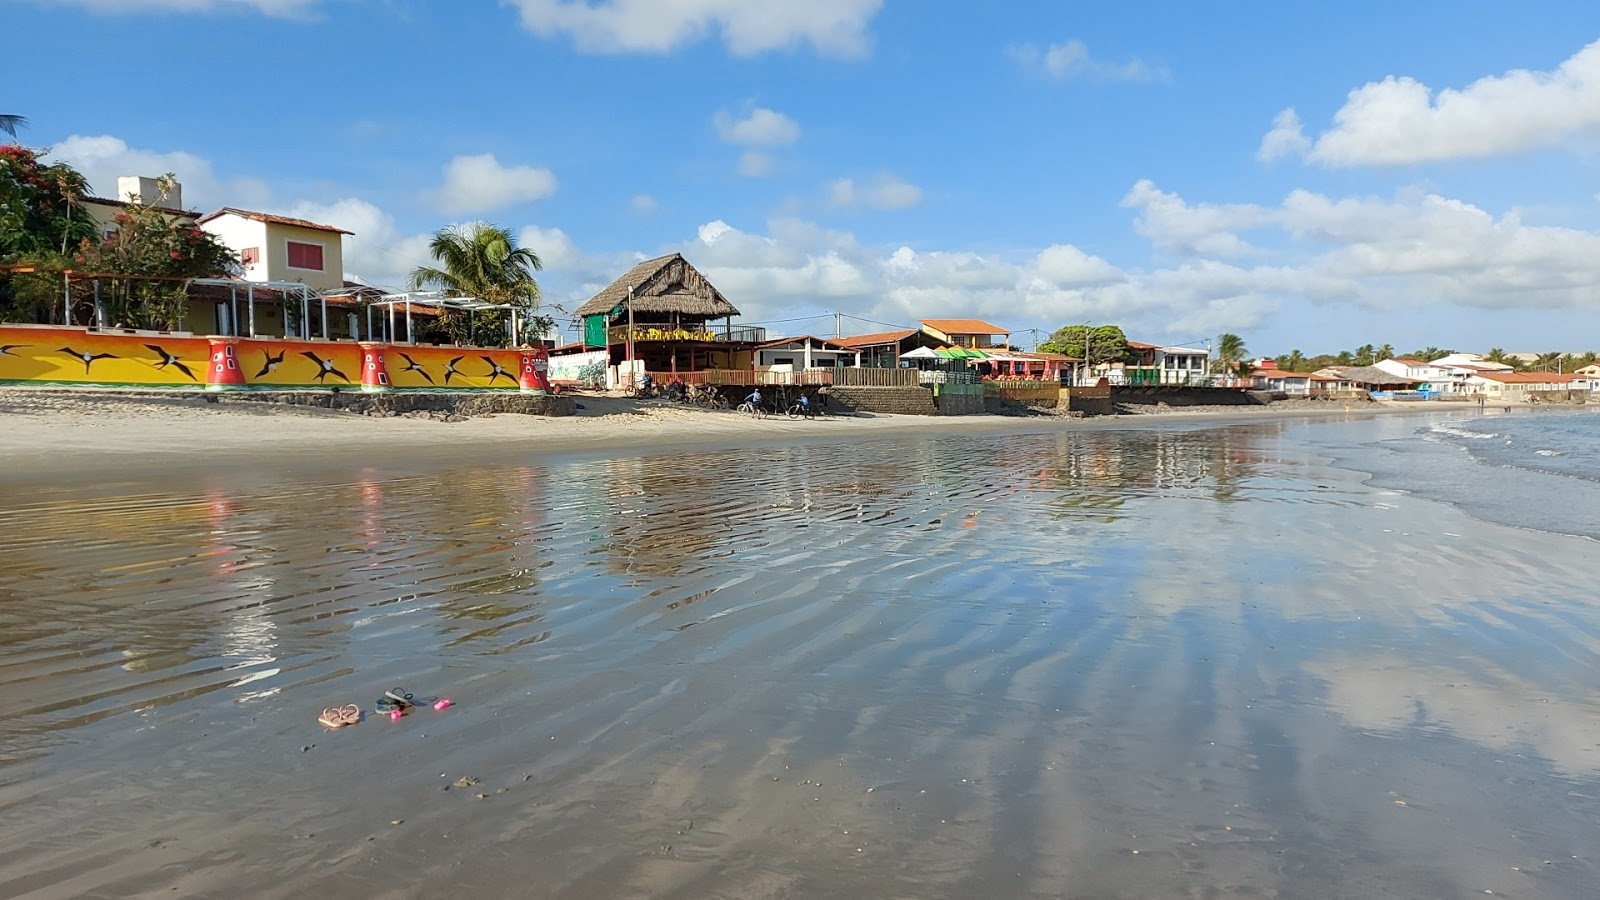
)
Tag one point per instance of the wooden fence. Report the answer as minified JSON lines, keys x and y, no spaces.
{"x":848,"y":377}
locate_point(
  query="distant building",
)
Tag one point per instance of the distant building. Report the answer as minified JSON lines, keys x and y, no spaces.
{"x":974,"y":334}
{"x":280,"y":248}
{"x":1155,"y":364}
{"x":1436,"y":379}
{"x":1521,"y":385}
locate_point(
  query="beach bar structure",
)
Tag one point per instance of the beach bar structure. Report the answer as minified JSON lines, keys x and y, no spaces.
{"x":664,"y":317}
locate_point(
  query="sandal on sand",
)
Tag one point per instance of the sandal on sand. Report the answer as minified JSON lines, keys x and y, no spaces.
{"x":340,"y":716}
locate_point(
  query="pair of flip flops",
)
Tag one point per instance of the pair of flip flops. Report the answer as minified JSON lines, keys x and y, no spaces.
{"x":398,"y":701}
{"x":340,"y":716}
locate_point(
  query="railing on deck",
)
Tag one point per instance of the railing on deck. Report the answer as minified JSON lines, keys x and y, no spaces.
{"x":851,"y":377}
{"x":743,"y":334}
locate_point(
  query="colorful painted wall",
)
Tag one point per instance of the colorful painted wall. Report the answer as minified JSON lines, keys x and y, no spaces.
{"x":79,"y":357}
{"x":453,"y":368}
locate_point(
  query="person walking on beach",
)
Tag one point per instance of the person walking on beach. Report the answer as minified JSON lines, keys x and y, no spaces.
{"x":1481,"y":400}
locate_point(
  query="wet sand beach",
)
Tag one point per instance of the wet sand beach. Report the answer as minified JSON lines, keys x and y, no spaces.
{"x":966,"y":660}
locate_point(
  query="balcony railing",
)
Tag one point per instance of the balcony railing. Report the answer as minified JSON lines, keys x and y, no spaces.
{"x":619,"y":335}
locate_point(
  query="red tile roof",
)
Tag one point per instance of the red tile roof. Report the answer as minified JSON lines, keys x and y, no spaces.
{"x":272,"y":219}
{"x":169,"y":210}
{"x":964,"y":326}
{"x":857,"y":341}
{"x":834,"y":343}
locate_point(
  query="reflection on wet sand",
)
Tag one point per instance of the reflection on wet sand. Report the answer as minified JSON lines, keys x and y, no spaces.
{"x":1145,"y":663}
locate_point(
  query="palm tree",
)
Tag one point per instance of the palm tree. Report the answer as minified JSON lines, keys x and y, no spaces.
{"x":1364,"y":355}
{"x":1296,"y":360}
{"x":1547,"y":362}
{"x":10,"y":124}
{"x":1230,"y":349}
{"x":483,"y":261}
{"x":1386,"y":352}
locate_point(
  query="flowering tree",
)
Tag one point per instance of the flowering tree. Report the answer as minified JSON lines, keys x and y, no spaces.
{"x":157,"y":253}
{"x":41,"y":220}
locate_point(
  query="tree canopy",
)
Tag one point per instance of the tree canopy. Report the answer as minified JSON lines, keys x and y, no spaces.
{"x":1102,"y":344}
{"x":483,"y":261}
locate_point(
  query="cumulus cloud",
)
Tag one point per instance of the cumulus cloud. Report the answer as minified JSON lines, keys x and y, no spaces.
{"x":1287,"y":138}
{"x":746,"y":27}
{"x":881,"y":192}
{"x":761,"y":127}
{"x":103,"y":159}
{"x":1072,"y":60}
{"x":479,"y":184}
{"x":1193,"y":230}
{"x":278,"y":8}
{"x":1401,"y":121}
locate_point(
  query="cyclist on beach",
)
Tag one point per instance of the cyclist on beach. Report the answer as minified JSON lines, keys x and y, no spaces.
{"x":805,"y":404}
{"x":754,"y":401}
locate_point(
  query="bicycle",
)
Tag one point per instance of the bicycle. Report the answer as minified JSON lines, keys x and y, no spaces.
{"x":705,"y":398}
{"x":801,"y":410}
{"x":753,"y":411}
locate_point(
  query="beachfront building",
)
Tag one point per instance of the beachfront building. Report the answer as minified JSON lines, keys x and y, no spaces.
{"x":1518,"y":386}
{"x":664,"y":317}
{"x":1435,"y":379}
{"x":143,"y":192}
{"x":972,"y":334}
{"x":1469,"y":361}
{"x":1371,"y":379}
{"x":885,"y":349}
{"x":804,"y":353}
{"x":1155,"y":364}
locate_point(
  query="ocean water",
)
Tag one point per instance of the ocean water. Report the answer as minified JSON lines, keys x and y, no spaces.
{"x":1158,"y":661}
{"x":1534,"y":470}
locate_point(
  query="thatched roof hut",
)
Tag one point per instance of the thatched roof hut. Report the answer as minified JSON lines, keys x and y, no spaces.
{"x":662,"y":287}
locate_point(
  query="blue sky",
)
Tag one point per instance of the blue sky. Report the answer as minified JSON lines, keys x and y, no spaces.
{"x":1031,"y":163}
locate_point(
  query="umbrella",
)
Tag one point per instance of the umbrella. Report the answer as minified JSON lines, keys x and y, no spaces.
{"x":920,"y":353}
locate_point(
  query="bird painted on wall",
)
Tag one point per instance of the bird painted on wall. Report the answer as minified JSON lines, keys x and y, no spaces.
{"x":87,"y":358}
{"x":450,"y":368}
{"x":5,"y":349}
{"x":270,"y":364}
{"x":495,"y":371}
{"x":167,"y":359}
{"x":325,"y":366}
{"x":414,"y":366}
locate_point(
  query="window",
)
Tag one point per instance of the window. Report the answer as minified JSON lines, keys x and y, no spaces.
{"x":111,"y":235}
{"x":305,"y":256}
{"x":250,"y":255}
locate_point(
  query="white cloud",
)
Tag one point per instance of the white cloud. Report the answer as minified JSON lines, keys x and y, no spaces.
{"x":1193,"y":230}
{"x":882,"y":192}
{"x":1072,"y":60}
{"x":753,"y":164}
{"x":760,"y":128}
{"x":644,"y":204}
{"x":279,"y":8}
{"x":479,"y":184}
{"x":747,"y":27}
{"x":1287,"y":138}
{"x":103,"y":158}
{"x":1400,"y":121}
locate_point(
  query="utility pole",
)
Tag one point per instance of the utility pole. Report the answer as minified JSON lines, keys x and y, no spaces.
{"x":631,"y":376}
{"x":838,"y":324}
{"x":1088,"y":360}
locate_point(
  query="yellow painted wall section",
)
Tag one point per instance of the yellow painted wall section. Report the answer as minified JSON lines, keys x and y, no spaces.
{"x":300,"y":364}
{"x":78,"y":356}
{"x":436,"y":368}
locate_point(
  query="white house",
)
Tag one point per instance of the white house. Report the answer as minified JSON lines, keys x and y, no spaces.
{"x":1469,"y":361}
{"x":1518,"y":385}
{"x":279,"y":248}
{"x":797,"y":354}
{"x":1437,"y":379}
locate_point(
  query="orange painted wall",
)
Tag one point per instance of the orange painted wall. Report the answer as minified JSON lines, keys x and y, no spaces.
{"x":56,"y":356}
{"x":278,"y":363}
{"x":453,"y":367}
{"x":79,"y":356}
